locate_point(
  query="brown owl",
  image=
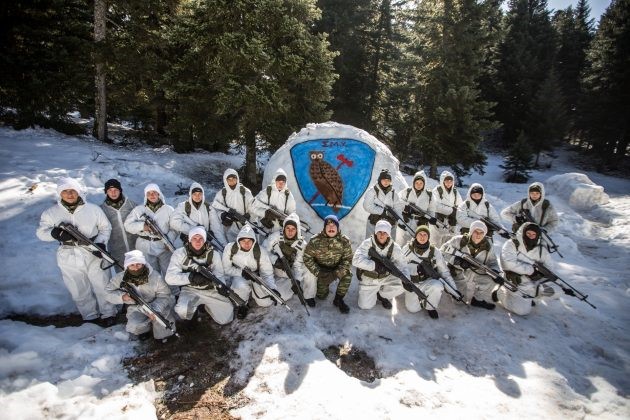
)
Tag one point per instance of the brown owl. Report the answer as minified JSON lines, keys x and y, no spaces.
{"x":326,"y":180}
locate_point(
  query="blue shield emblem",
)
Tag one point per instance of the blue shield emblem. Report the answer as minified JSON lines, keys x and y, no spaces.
{"x":332,"y":174}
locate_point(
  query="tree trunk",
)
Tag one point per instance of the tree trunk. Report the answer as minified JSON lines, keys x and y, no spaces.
{"x":433,"y":171}
{"x":384,"y":33}
{"x":100,"y":122}
{"x":160,"y":113}
{"x":250,"y":159}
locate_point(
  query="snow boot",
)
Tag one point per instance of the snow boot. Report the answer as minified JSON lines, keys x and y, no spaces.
{"x":110,"y":321}
{"x":310,"y":302}
{"x":385,"y":302}
{"x":339,"y":303}
{"x":481,"y":304}
{"x":433,"y":313}
{"x":145,"y":336}
{"x":241,"y":311}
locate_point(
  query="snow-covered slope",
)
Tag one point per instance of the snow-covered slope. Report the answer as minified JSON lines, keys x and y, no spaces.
{"x":565,"y":360}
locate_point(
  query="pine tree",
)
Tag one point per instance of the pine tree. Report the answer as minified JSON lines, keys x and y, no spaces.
{"x":606,"y":82}
{"x":518,"y":162}
{"x":249,"y":71}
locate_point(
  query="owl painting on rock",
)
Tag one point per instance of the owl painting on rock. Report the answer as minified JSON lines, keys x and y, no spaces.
{"x":327,"y":180}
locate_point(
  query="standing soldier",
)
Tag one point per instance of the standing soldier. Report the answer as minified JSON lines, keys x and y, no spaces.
{"x":117,"y":207}
{"x":518,"y":257}
{"x":233,"y":197}
{"x":419,"y":196}
{"x":276,"y":196}
{"x":196,"y":211}
{"x":540,"y":209}
{"x":478,"y":246}
{"x":80,"y":268}
{"x":425,"y":263}
{"x":246,"y":253}
{"x":446,"y":199}
{"x":196,"y":288}
{"x":152,"y":288}
{"x":328,"y":257}
{"x":376,"y":282}
{"x":474,"y":208}
{"x":290,"y":245}
{"x":149,"y":242}
{"x":377,"y":198}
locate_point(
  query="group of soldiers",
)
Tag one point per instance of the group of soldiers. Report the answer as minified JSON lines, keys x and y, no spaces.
{"x":240,"y":250}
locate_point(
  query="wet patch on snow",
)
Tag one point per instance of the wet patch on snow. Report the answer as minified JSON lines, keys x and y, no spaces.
{"x":353,"y":361}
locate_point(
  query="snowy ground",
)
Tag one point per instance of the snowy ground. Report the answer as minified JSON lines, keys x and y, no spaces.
{"x":565,"y":360}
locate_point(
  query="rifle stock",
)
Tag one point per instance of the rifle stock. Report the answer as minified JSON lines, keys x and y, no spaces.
{"x":287,"y":269}
{"x":282,"y":215}
{"x":426,"y":214}
{"x":553,"y":277}
{"x":257,"y":279}
{"x":145,"y":307}
{"x":156,"y":229}
{"x":91,"y":245}
{"x":237,"y":217}
{"x":236,"y":299}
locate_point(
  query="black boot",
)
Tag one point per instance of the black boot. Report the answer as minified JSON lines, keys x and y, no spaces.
{"x":339,"y":303}
{"x":145,"y":336}
{"x":241,"y":311}
{"x":385,"y":302}
{"x":310,"y":302}
{"x":110,"y":321}
{"x":433,"y":313}
{"x":481,"y":304}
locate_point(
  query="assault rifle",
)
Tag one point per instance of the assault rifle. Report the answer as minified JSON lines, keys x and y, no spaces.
{"x":287,"y":269}
{"x":214,"y":241}
{"x":237,"y":217}
{"x":426,"y":214}
{"x":432,"y":273}
{"x":280,"y":215}
{"x":504,"y":233}
{"x":391,"y":267}
{"x":400,"y":221}
{"x":236,"y":299}
{"x":157,"y":231}
{"x":83,"y":240}
{"x":256,"y":278}
{"x":496,"y":277}
{"x":551,"y":245}
{"x":569,"y":290}
{"x":145,"y":308}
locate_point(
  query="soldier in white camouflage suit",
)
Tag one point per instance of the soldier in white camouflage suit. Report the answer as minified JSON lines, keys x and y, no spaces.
{"x":277,"y":196}
{"x":474,"y":208}
{"x":235,"y":197}
{"x":196,"y":211}
{"x":375,"y":200}
{"x":446,"y":198}
{"x":541,"y":209}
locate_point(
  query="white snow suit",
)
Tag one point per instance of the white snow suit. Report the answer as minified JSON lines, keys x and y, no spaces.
{"x":80,"y":269}
{"x":422,"y":199}
{"x":445,"y":205}
{"x":542,"y":211}
{"x":154,"y":250}
{"x":371,"y":283}
{"x":240,"y":199}
{"x":374,"y":202}
{"x":281,"y":200}
{"x":257,"y":260}
{"x":120,"y":240}
{"x":432,"y":287}
{"x":156,"y":293}
{"x":183,"y":262}
{"x":187,"y":215}
{"x":469,"y":211}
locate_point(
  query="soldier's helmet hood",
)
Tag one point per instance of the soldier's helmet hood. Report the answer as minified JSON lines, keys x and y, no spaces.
{"x":154,"y":187}
{"x":229,"y":172}
{"x":190,"y":192}
{"x":280,"y":172}
{"x":246,"y":232}
{"x":293,"y":217}
{"x":541,"y":187}
{"x":444,"y":175}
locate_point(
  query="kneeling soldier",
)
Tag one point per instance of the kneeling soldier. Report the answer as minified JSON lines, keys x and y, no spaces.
{"x":328,"y":257}
{"x":152,"y":288}
{"x":426,"y":263}
{"x":196,"y":288}
{"x":376,"y":282}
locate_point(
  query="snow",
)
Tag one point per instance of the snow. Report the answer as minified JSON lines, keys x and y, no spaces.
{"x":565,"y":360}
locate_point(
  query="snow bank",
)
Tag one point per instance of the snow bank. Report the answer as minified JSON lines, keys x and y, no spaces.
{"x":580,"y":192}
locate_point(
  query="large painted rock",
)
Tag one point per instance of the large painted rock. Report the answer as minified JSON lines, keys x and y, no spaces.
{"x":329,"y":167}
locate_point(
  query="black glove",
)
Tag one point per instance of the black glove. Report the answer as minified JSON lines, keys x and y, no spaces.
{"x":247,"y":216}
{"x":433,"y":221}
{"x":102,"y":247}
{"x":465,"y":265}
{"x":452,"y":218}
{"x":198,"y":280}
{"x":568,"y":292}
{"x":500,"y":281}
{"x":184,"y":238}
{"x":278,"y":264}
{"x":223,"y":291}
{"x":268,"y":223}
{"x":421,"y":271}
{"x":273,"y":299}
{"x":407,"y":286}
{"x":246,"y":275}
{"x":61,"y":235}
{"x":380,"y":268}
{"x":226,"y":220}
{"x":406,"y":213}
{"x":505,"y":234}
{"x":520,"y":220}
{"x":536,"y":275}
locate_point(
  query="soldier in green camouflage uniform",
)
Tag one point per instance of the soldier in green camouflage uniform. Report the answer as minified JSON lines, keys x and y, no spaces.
{"x":328,"y":257}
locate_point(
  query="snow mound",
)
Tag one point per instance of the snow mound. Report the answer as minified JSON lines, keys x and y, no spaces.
{"x":580,"y":192}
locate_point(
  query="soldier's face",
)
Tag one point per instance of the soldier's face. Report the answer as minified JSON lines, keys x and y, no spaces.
{"x":153,"y":196}
{"x":382,"y":237}
{"x":531,"y":234}
{"x":422,"y":237}
{"x":113,"y":193}
{"x":386,"y":182}
{"x":280,"y":184}
{"x":69,"y":196}
{"x":290,"y":231}
{"x":477,"y":235}
{"x":231,"y":181}
{"x":418,"y":184}
{"x":197,"y":196}
{"x":448,"y":183}
{"x":476,"y":196}
{"x":246,"y":244}
{"x":197,"y":242}
{"x":331,"y":229}
{"x":534,"y":195}
{"x":135,"y":267}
